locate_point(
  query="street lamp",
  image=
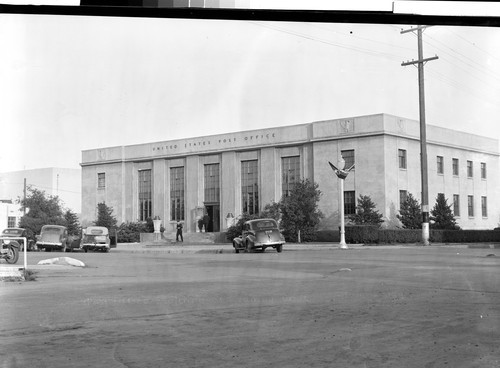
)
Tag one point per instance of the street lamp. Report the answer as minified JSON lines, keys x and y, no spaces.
{"x":341,"y":174}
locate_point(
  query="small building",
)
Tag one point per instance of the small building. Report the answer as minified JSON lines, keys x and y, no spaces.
{"x":228,"y":174}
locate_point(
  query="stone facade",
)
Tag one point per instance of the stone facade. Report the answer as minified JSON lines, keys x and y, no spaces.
{"x":375,"y":141}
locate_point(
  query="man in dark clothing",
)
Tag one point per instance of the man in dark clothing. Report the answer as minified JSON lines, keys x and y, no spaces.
{"x":179,"y":232}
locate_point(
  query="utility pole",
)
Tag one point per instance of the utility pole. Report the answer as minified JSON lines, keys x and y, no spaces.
{"x":423,"y":135}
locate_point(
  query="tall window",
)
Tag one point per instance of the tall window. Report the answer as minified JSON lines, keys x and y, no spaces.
{"x":348,"y":156}
{"x":440,"y":164}
{"x":250,"y":186}
{"x":483,"y":170}
{"x":349,"y":202}
{"x":145,"y":189}
{"x":403,"y":194}
{"x":454,"y":163}
{"x":101,"y":180}
{"x":290,"y":174}
{"x":177,"y":193}
{"x":470,"y":205}
{"x":212,"y":183}
{"x":456,"y":204}
{"x":469,"y":169}
{"x":402,"y":158}
{"x":484,"y":208}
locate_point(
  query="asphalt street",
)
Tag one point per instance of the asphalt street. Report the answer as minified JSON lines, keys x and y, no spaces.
{"x":394,"y":306}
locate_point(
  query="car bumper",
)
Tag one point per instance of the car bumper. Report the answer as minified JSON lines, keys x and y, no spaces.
{"x":95,"y":246}
{"x":267,"y":244}
{"x":47,"y":245}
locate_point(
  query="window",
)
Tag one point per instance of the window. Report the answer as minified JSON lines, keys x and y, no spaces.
{"x":470,"y":205}
{"x":402,"y":158}
{"x":456,"y":204}
{"x":348,"y":157}
{"x":212,"y":183}
{"x":440,"y":164}
{"x":177,"y":194}
{"x":11,"y":221}
{"x":403,"y":195}
{"x":484,"y":208}
{"x":145,"y":189}
{"x":469,"y":169}
{"x":349,"y":202}
{"x":250,"y":187}
{"x":290,"y":174}
{"x":101,"y":180}
{"x":455,"y":166}
{"x":483,"y":170}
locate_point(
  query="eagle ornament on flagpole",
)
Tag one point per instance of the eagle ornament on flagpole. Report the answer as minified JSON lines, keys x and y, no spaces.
{"x":341,"y":174}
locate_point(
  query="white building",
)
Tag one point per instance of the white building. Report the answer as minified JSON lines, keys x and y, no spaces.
{"x":242,"y":172}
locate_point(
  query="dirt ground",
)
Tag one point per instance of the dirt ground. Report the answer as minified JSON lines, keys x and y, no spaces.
{"x":368,"y":307}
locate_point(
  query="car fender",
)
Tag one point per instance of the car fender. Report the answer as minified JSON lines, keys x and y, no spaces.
{"x":238,"y":241}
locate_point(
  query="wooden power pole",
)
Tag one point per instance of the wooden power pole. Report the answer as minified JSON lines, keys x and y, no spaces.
{"x":423,"y":135}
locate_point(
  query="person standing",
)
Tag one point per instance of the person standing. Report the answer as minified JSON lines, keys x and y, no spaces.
{"x":179,"y":232}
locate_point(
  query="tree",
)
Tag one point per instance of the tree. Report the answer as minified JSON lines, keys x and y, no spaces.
{"x":410,"y":213}
{"x":442,"y":215}
{"x":105,"y":216}
{"x":43,"y":210}
{"x":366,"y":213}
{"x":72,"y":223}
{"x":271,"y":210}
{"x":300,"y":213}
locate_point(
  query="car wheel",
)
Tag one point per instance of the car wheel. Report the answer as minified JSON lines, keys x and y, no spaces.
{"x":279,"y":248}
{"x":12,"y":255}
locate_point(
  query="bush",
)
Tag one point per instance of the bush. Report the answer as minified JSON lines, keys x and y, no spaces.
{"x":328,"y":236}
{"x":361,"y":234}
{"x":399,"y":236}
{"x":129,"y":232}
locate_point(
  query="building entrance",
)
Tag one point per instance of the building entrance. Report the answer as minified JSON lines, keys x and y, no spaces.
{"x":213,"y":211}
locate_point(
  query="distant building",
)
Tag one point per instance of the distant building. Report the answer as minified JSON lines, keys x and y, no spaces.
{"x":233,"y":173}
{"x":61,"y":182}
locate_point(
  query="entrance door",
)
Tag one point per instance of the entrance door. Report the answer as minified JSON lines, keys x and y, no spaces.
{"x":213,"y":211}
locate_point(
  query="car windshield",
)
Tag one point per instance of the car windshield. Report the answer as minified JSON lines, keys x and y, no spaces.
{"x":266,"y":224}
{"x":12,"y":232}
{"x":52,"y":230}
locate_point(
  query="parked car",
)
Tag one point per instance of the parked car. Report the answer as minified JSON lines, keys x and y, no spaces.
{"x":53,"y":237}
{"x":17,"y":232}
{"x":95,"y":238}
{"x":259,"y":234}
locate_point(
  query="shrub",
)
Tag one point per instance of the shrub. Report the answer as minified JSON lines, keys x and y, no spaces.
{"x":361,"y":234}
{"x":129,"y":232}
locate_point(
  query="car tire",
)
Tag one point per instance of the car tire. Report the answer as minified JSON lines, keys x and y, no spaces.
{"x":279,"y":248}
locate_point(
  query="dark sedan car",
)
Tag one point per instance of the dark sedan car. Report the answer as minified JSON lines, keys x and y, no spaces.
{"x":259,"y":234}
{"x":17,"y":232}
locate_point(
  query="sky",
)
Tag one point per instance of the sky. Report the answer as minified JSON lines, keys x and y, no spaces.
{"x":72,"y":83}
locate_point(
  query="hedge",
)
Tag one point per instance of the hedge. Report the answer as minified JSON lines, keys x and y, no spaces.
{"x":367,"y":234}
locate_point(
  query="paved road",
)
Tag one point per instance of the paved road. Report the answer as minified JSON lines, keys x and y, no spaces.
{"x":364,"y":307}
